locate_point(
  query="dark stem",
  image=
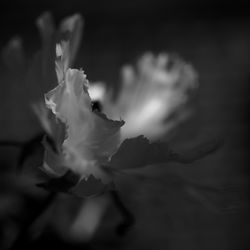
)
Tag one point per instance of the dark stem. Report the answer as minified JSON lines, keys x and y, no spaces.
{"x":27,"y":148}
{"x":127,"y":216}
{"x":23,"y":238}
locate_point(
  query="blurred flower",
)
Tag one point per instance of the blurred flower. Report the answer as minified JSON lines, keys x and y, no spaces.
{"x":153,"y":98}
{"x":26,"y":79}
{"x":41,"y":71}
{"x":88,"y":219}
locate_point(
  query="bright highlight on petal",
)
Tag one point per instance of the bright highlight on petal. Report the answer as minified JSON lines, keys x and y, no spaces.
{"x":59,"y":50}
{"x":157,"y":90}
{"x":97,"y":92}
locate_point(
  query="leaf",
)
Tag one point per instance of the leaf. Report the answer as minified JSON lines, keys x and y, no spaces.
{"x":41,"y":71}
{"x":139,"y":152}
{"x":46,"y":27}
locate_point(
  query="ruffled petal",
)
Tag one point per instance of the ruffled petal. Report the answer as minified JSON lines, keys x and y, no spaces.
{"x":91,"y":138}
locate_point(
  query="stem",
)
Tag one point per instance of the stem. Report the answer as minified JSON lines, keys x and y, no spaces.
{"x":26,"y":147}
{"x":23,"y":238}
{"x":128,"y":217}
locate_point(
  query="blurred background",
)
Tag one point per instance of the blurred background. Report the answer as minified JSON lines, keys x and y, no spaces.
{"x":212,"y":35}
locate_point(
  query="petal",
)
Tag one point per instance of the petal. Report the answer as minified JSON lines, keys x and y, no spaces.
{"x":91,"y":138}
{"x":46,"y":27}
{"x":13,"y":56}
{"x":41,"y":70}
{"x":97,"y":91}
{"x":139,"y":152}
{"x":154,"y":96}
{"x":73,"y":27}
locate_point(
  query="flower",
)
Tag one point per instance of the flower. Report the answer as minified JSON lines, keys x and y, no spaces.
{"x":91,"y":138}
{"x":83,"y":148}
{"x":153,"y":97}
{"x":88,"y":148}
{"x":26,"y":79}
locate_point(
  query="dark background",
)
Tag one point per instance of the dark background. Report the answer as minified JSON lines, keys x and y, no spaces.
{"x":215,"y":37}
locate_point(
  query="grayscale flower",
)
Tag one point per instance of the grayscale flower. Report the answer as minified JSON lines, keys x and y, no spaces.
{"x":87,"y":146}
{"x":153,"y":97}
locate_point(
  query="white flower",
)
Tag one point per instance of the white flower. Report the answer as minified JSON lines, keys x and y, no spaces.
{"x":91,"y":139}
{"x":153,"y":96}
{"x":84,"y":149}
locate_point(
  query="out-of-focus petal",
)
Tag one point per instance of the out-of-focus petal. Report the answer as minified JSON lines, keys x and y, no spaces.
{"x":13,"y":56}
{"x":41,"y":72}
{"x":88,"y":219}
{"x":139,"y":152}
{"x":72,"y":27}
{"x":62,"y":64}
{"x":46,"y":26}
{"x":153,"y":97}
